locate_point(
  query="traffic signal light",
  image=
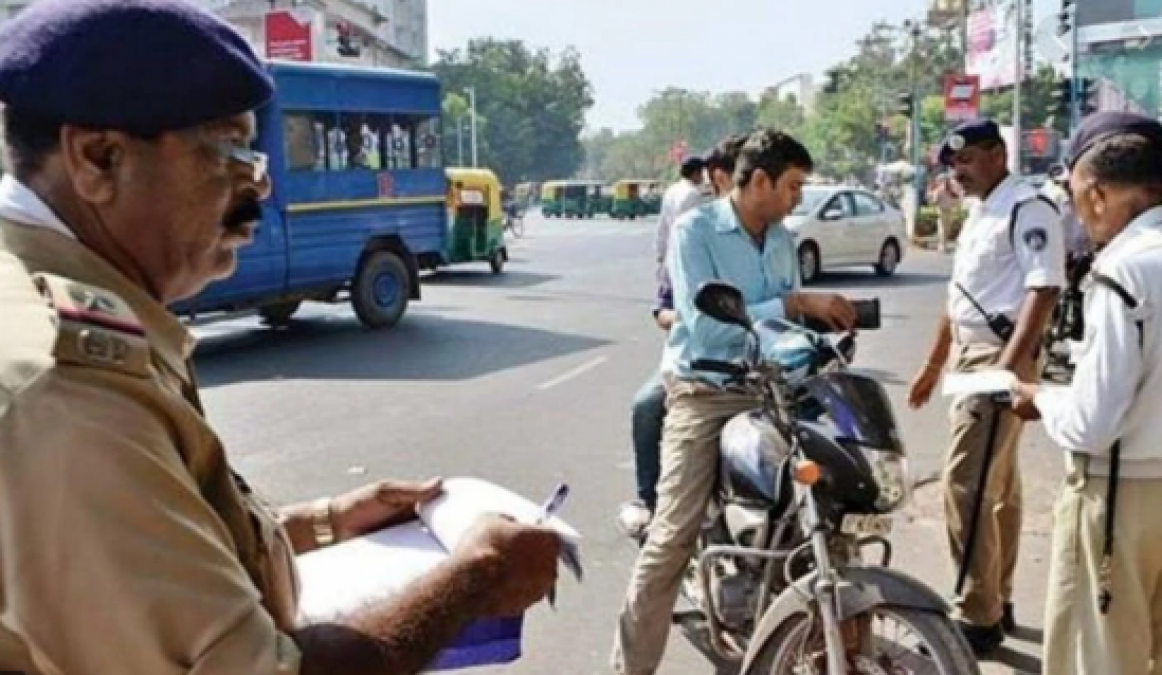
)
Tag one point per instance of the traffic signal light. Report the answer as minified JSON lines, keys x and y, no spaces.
{"x":346,"y":39}
{"x":904,"y":104}
{"x":1063,"y":98}
{"x":1065,"y":17}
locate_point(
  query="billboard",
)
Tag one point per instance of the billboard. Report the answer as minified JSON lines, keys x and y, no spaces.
{"x":961,"y":97}
{"x":288,"y":35}
{"x":992,"y":43}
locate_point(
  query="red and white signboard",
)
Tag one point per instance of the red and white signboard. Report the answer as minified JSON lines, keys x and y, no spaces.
{"x":288,"y":35}
{"x":961,"y":97}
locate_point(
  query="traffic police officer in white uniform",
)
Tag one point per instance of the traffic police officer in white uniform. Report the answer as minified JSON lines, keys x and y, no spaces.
{"x":1104,"y":607}
{"x":1009,"y":268}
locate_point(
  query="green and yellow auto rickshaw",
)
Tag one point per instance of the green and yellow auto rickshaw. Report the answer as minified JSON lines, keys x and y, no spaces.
{"x":629,"y":199}
{"x":570,"y":198}
{"x":475,"y":218}
{"x":651,"y":196}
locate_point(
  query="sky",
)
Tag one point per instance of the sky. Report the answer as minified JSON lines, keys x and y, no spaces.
{"x":632,"y":48}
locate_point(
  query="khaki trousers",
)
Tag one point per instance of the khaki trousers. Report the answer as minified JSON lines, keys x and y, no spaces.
{"x":1079,"y":639}
{"x":695,"y":415}
{"x":989,"y":583}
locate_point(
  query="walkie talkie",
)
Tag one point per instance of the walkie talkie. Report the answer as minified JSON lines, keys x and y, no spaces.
{"x":1001,"y":325}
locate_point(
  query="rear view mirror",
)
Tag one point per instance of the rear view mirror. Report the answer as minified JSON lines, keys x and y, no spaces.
{"x":723,"y":302}
{"x":833,"y":214}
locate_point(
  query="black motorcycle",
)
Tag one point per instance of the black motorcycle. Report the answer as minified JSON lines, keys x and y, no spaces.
{"x":807,"y":483}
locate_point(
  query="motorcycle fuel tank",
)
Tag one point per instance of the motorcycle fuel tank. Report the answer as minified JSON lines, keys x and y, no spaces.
{"x":752,"y":451}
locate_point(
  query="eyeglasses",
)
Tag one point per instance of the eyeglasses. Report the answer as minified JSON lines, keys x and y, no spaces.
{"x":259,"y":162}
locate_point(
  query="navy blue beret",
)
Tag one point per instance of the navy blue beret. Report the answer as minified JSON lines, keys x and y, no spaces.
{"x":139,"y":66}
{"x":1102,"y":125}
{"x":966,"y":134}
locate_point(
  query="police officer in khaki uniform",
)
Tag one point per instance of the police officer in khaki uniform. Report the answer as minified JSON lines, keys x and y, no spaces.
{"x":127,"y":544}
{"x":1008,"y":269}
{"x":1103,"y":614}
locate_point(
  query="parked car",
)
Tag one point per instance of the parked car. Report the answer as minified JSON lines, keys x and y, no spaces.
{"x":838,"y":226}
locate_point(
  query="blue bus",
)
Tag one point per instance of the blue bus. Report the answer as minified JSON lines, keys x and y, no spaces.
{"x":358,"y":207}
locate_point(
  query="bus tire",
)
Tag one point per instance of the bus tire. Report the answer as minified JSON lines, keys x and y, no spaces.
{"x":279,"y":314}
{"x":380,"y":292}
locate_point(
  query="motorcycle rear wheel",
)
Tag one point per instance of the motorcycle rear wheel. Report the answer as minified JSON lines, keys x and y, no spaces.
{"x":797,"y":646}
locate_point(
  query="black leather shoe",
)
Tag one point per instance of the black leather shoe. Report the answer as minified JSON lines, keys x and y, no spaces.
{"x":982,"y":639}
{"x":1009,"y":620}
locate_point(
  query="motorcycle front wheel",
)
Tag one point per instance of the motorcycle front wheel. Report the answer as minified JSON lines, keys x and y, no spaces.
{"x":903,"y":640}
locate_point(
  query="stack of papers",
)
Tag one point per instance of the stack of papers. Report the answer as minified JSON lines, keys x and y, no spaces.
{"x":341,"y":579}
{"x":981,"y":382}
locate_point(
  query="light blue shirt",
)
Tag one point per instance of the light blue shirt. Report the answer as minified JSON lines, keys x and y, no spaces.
{"x":710,"y":244}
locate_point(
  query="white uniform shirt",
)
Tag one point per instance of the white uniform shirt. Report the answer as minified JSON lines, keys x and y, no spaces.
{"x":21,"y":205}
{"x":1116,"y":391}
{"x":677,"y":200}
{"x":998,"y":271}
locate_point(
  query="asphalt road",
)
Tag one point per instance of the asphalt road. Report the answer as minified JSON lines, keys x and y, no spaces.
{"x":526,"y":379}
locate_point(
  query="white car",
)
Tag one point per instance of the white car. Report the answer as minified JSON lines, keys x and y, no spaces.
{"x":836,"y":226}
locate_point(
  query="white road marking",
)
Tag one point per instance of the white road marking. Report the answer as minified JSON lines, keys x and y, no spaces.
{"x":576,"y":372}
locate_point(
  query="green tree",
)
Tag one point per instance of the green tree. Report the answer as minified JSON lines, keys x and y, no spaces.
{"x":534,"y":101}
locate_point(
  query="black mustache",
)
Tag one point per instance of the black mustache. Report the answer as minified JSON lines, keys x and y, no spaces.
{"x":249,"y":211}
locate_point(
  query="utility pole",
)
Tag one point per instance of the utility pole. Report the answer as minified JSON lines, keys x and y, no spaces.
{"x":1018,"y":77}
{"x":460,"y":141}
{"x":964,"y":14}
{"x":471,"y":91}
{"x":917,"y":176}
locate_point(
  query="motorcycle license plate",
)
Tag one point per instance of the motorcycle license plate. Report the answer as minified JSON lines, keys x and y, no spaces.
{"x":858,"y":524}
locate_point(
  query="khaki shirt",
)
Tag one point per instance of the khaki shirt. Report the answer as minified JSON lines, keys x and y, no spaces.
{"x":127,"y":544}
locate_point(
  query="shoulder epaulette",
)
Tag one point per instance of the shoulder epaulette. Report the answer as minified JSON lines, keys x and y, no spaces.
{"x":97,"y":328}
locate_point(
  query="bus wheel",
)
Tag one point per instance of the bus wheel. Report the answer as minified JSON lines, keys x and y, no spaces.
{"x":280,"y":313}
{"x":381,"y":290}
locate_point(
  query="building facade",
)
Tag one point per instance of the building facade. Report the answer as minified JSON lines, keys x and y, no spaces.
{"x":1120,"y":49}
{"x":381,"y":33}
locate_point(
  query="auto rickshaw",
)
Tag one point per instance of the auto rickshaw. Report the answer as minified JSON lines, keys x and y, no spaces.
{"x":551,"y":194}
{"x":651,"y":196}
{"x":475,"y":219}
{"x":630,"y":199}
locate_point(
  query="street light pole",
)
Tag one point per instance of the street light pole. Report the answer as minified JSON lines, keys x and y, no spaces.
{"x":471,"y":91}
{"x":917,"y":176}
{"x":1018,"y":76}
{"x":460,"y":141}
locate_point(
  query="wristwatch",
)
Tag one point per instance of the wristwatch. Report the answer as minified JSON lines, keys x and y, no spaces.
{"x":323,"y":523}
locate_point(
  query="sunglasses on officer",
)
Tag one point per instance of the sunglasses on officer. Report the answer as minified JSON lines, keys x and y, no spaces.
{"x":259,"y":162}
{"x":225,"y":143}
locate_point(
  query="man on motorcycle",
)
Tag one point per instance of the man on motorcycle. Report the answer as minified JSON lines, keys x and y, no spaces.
{"x":739,"y":240}
{"x":649,"y":405}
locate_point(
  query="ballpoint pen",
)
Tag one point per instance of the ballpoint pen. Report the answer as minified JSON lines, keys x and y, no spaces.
{"x":548,"y":510}
{"x":553,"y":503}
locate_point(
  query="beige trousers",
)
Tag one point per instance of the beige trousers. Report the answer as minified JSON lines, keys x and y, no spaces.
{"x":695,"y":415}
{"x":989,"y":583}
{"x":1079,"y":639}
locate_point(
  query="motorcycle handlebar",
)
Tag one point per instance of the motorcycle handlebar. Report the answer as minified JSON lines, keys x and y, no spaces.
{"x":867,"y":317}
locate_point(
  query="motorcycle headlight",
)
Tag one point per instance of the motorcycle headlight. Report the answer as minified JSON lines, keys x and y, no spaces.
{"x":890,"y":471}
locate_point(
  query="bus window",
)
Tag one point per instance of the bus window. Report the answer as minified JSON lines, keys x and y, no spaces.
{"x":303,"y":136}
{"x":428,"y":143}
{"x":361,"y":144}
